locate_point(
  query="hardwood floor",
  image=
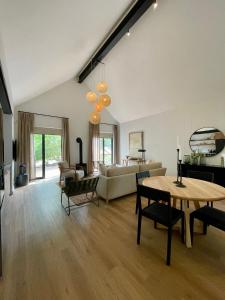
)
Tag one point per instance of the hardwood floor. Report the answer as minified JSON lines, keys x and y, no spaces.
{"x":92,"y":254}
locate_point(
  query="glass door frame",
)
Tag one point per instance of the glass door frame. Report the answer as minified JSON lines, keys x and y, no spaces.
{"x":43,"y":157}
{"x":103,"y":147}
{"x":44,"y":154}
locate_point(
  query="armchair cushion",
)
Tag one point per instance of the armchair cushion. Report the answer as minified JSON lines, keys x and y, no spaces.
{"x":63,"y":165}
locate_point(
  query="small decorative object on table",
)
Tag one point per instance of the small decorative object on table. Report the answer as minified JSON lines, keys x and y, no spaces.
{"x":187,"y":159}
{"x":195,"y":158}
{"x":198,"y":158}
{"x":202,"y":159}
{"x":180,"y":184}
{"x":178,"y":156}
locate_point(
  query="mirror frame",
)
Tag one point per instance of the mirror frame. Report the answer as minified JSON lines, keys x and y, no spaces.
{"x":207,"y":155}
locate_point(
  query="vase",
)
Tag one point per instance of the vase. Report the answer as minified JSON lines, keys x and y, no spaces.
{"x":194,"y":160}
{"x":187,"y":159}
{"x":203,"y":160}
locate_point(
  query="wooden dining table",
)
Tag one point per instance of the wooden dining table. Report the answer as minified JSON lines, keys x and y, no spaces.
{"x":195,"y":190}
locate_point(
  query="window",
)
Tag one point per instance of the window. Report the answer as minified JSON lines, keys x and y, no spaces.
{"x":106,"y":149}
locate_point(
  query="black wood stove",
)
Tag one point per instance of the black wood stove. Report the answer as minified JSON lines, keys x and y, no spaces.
{"x":81,"y":165}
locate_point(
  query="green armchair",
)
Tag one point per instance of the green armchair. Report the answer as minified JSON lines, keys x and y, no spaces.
{"x":79,"y":187}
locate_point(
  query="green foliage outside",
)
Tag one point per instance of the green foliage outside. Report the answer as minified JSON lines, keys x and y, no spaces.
{"x":106,"y":150}
{"x":52,"y":147}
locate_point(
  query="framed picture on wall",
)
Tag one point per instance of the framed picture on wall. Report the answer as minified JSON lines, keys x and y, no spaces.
{"x":135,"y":143}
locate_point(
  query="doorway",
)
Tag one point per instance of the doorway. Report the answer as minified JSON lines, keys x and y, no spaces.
{"x":47,"y":152}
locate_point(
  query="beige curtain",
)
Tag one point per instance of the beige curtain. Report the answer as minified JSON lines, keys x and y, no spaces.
{"x":93,"y":149}
{"x":65,"y":140}
{"x":1,"y":138}
{"x":25,"y":129}
{"x":116,"y":154}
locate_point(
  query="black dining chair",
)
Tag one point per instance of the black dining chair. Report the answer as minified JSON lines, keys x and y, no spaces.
{"x":139,"y":178}
{"x":206,"y":176}
{"x":209,"y":216}
{"x":160,"y":211}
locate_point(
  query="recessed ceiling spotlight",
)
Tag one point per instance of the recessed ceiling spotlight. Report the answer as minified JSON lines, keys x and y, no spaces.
{"x":128,"y":33}
{"x":155,"y":5}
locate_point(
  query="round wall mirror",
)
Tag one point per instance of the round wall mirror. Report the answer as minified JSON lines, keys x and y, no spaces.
{"x":208,"y":140}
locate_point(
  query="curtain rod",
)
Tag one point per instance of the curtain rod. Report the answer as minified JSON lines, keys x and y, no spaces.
{"x":107,"y":124}
{"x":43,"y":115}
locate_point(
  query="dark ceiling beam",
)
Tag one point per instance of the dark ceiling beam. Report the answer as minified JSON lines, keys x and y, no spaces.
{"x":4,"y":98}
{"x":124,"y":26}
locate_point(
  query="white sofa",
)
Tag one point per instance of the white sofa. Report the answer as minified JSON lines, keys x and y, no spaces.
{"x":116,"y":182}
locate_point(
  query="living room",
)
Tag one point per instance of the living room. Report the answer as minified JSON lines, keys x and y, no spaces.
{"x":104,"y":104}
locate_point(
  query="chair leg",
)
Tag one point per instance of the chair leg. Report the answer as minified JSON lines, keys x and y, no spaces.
{"x":205,"y":228}
{"x":68,"y":199}
{"x":181,"y":205}
{"x":139,"y":228}
{"x":169,"y":245}
{"x":211,"y":204}
{"x":98,"y":199}
{"x":136,"y":209}
{"x":182,"y":230}
{"x":192,"y":228}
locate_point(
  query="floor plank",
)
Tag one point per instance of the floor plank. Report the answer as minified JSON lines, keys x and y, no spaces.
{"x":92,"y":254}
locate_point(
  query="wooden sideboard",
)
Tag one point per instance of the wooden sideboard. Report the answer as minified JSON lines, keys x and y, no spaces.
{"x":218,"y":171}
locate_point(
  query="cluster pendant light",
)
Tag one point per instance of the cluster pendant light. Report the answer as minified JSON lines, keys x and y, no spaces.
{"x":100,"y":100}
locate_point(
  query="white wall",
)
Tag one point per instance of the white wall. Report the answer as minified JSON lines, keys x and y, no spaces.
{"x":8,"y":130}
{"x":161,"y":131}
{"x":67,"y":100}
{"x":8,"y":119}
{"x":7,"y":134}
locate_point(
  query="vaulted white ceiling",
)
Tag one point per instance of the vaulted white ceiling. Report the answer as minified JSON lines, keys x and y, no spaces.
{"x":47,"y":42}
{"x":174,"y":55}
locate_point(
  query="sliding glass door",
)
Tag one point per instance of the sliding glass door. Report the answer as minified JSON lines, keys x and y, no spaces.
{"x":106,"y":150}
{"x":53,"y":154}
{"x":38,"y":156}
{"x":46,"y":155}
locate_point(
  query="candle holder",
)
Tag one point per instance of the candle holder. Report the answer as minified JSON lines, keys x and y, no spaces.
{"x":177,"y":181}
{"x":180,"y":184}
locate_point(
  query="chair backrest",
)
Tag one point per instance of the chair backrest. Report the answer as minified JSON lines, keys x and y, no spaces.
{"x":141,"y":175}
{"x":155,"y":195}
{"x":207,"y":176}
{"x":79,"y":187}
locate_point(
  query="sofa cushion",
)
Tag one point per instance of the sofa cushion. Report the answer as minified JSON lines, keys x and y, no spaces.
{"x":158,"y":172}
{"x":150,"y":166}
{"x":102,"y":169}
{"x":122,"y":170}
